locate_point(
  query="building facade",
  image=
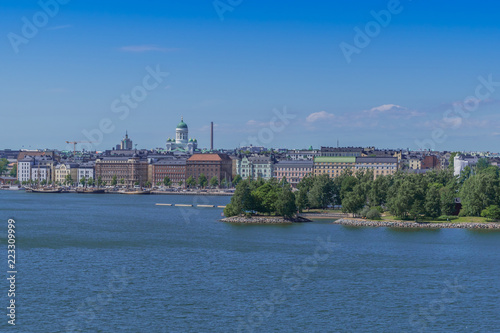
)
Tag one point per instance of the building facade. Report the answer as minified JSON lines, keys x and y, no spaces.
{"x":131,"y":169}
{"x":293,"y":171}
{"x":380,"y":166}
{"x":254,"y":167}
{"x":174,"y":168}
{"x":87,"y":171}
{"x":211,"y":165}
{"x":63,"y":170}
{"x":333,"y":166}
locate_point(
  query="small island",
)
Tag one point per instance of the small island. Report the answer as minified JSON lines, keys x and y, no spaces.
{"x":263,"y":202}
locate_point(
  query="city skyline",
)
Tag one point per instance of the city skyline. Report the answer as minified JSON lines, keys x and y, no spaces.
{"x":237,"y":67}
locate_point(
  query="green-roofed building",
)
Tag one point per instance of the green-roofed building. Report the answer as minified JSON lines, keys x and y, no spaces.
{"x":333,"y":166}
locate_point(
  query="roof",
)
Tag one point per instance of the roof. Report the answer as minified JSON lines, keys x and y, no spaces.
{"x":376,"y":160}
{"x":335,"y":159}
{"x":182,"y":124}
{"x":208,"y":157}
{"x":294,"y":164}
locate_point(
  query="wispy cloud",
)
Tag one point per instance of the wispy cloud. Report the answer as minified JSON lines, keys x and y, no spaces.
{"x":146,"y":48}
{"x":393,"y":111}
{"x":317,"y":116}
{"x":59,"y":27}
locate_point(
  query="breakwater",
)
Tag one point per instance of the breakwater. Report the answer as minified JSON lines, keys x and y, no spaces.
{"x":423,"y":225}
{"x":264,"y":220}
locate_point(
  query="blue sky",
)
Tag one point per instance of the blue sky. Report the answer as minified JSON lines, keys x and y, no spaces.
{"x":410,"y":87}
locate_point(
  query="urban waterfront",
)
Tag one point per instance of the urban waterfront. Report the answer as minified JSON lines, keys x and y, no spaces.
{"x":95,"y":263}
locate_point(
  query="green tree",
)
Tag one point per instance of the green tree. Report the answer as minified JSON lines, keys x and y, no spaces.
{"x":99,"y":181}
{"x":114,"y":180}
{"x":482,"y":164}
{"x":83,"y":180}
{"x":265,"y":198}
{"x":166,"y":181}
{"x":354,"y":200}
{"x":448,"y":195}
{"x":285,"y":205}
{"x":202,"y":180}
{"x":13,"y":171}
{"x":301,"y":200}
{"x":433,"y":201}
{"x":214,"y":182}
{"x":43,"y":182}
{"x":4,"y":163}
{"x":237,"y":180}
{"x":241,"y":201}
{"x":321,"y":193}
{"x":223,"y":183}
{"x":91,"y":181}
{"x":479,"y":192}
{"x":68,"y":180}
{"x":122,"y":181}
{"x":492,"y":212}
{"x":137,"y":183}
{"x":181,"y":182}
{"x":191,"y":182}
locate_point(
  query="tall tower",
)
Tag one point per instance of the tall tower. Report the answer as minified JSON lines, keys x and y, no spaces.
{"x":181,"y":133}
{"x":212,"y":136}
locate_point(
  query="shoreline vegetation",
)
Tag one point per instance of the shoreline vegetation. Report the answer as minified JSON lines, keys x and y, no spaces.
{"x":422,"y":225}
{"x":438,"y":197}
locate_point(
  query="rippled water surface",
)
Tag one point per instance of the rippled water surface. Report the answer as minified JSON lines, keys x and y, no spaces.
{"x":116,"y":263}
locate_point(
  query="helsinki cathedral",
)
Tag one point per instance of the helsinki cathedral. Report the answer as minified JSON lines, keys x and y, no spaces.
{"x":181,"y":142}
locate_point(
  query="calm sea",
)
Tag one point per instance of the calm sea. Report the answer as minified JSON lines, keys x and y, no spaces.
{"x":117,"y":263}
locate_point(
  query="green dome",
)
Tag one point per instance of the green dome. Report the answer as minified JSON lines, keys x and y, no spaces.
{"x":182,"y":124}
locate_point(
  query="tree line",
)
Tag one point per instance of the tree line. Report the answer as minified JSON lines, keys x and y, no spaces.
{"x":404,"y":195}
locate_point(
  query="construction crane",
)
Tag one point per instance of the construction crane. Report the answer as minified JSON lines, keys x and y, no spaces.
{"x":74,"y":143}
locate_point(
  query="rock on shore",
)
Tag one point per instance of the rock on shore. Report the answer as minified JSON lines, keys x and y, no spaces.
{"x":264,"y":220}
{"x":424,"y":225}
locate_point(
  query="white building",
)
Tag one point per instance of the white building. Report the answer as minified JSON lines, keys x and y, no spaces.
{"x":181,"y":142}
{"x":40,"y":173}
{"x":461,"y":161}
{"x":254,"y":167}
{"x":86,"y":170}
{"x":24,"y":169}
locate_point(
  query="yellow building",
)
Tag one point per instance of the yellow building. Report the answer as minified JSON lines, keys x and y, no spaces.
{"x":62,"y":170}
{"x":333,"y":166}
{"x":381,"y":166}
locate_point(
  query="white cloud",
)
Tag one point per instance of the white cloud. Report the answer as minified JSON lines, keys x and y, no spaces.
{"x":322,"y":115}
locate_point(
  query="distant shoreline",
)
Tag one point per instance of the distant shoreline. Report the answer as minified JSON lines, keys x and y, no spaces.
{"x":416,"y":225}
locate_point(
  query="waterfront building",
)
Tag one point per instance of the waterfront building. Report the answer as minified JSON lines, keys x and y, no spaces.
{"x":40,"y":174}
{"x":333,"y":166}
{"x":256,"y":166}
{"x":181,"y":142}
{"x":24,"y":166}
{"x":211,"y":165}
{"x":131,"y":169}
{"x":62,"y":170}
{"x":35,"y":168}
{"x":173,"y":168}
{"x":380,"y":166}
{"x":86,"y":170}
{"x":294,"y":171}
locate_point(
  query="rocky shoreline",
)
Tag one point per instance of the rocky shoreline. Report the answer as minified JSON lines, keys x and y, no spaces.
{"x":422,"y":225}
{"x":264,"y":220}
